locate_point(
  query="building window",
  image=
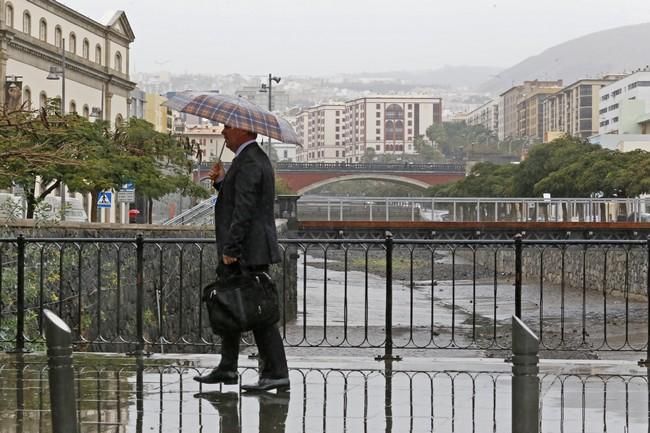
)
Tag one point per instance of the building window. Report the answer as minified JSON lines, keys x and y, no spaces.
{"x":72,"y":43}
{"x":98,"y":54}
{"x":73,"y":107}
{"x":378,"y":106}
{"x":86,"y":111}
{"x":9,"y":15}
{"x":27,"y":98}
{"x":58,"y":37}
{"x":42,"y":100}
{"x":27,"y":23}
{"x":85,"y":51}
{"x":42,"y":30}
{"x":118,"y":62}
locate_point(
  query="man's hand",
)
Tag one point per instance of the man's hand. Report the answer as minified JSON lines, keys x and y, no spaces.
{"x":229,"y":260}
{"x":217,"y":173}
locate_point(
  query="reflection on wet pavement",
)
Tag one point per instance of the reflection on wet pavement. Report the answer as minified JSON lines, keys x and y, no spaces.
{"x":122,"y":395}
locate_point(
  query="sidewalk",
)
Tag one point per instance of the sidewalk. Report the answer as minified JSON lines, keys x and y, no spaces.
{"x":343,"y":394}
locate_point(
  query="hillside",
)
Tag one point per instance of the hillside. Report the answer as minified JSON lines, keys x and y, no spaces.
{"x":609,"y":51}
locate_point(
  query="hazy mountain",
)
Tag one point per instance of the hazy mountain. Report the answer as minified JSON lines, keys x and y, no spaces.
{"x":447,"y":76}
{"x":609,"y":51}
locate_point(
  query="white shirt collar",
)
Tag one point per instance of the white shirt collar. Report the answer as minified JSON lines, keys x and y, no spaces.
{"x":241,"y":148}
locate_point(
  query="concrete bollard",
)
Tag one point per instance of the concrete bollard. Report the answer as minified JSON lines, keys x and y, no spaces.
{"x":525,"y":379}
{"x":63,"y":401}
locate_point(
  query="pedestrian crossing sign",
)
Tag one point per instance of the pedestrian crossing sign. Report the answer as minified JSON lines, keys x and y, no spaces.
{"x":104,"y":199}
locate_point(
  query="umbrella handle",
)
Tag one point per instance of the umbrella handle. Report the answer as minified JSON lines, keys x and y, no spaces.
{"x":223,"y":146}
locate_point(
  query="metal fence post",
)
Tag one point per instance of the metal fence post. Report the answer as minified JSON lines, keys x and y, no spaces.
{"x":20,"y":294}
{"x":139,"y":287}
{"x":525,"y":380}
{"x":58,"y":338}
{"x":518,"y":250}
{"x":646,"y":362}
{"x":388,"y":347}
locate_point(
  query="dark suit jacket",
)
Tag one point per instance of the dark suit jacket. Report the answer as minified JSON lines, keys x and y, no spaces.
{"x":243,"y":214}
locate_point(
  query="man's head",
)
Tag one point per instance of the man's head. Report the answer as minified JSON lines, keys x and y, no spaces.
{"x":235,"y":137}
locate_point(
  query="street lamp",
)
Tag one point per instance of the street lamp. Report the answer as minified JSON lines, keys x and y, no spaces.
{"x":56,"y":73}
{"x":268,"y":88}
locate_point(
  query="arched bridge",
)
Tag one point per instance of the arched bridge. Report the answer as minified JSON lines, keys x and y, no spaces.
{"x":302,"y":177}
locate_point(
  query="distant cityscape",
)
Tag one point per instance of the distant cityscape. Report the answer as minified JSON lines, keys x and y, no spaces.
{"x":341,"y":119}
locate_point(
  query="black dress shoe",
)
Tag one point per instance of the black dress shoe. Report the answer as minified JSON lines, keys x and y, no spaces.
{"x":267,"y":384}
{"x":218,"y":376}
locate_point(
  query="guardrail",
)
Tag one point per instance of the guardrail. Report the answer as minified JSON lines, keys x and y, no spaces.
{"x":476,"y":209}
{"x":194,"y":214}
{"x":137,"y":294}
{"x":344,"y":166}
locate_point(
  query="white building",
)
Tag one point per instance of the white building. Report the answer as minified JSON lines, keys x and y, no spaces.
{"x":34,"y":34}
{"x":286,"y":152}
{"x":625,"y":105}
{"x":321,"y":131}
{"x":487,"y":115}
{"x":207,"y":143}
{"x":388,"y":125}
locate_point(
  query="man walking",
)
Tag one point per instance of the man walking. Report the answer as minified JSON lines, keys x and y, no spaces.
{"x":246,"y":235}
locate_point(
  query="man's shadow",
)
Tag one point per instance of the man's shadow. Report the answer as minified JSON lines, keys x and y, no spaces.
{"x":274,"y":408}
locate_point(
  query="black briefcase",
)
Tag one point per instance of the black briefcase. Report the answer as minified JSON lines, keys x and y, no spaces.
{"x":241,"y":301}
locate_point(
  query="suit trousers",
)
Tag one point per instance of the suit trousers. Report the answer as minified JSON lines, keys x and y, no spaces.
{"x":269,"y":345}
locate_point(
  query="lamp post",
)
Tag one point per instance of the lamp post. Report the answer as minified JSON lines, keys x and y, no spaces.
{"x":56,"y":73}
{"x":268,"y":88}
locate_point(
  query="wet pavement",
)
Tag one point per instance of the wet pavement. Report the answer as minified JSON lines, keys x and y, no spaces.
{"x":344,"y":394}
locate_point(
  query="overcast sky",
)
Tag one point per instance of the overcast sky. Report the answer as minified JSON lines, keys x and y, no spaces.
{"x":320,"y":37}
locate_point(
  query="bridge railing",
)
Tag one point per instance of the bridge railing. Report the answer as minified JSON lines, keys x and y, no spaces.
{"x":137,"y":294}
{"x":370,"y":166}
{"x":463,"y":209}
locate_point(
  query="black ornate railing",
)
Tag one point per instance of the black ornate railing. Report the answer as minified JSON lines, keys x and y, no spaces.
{"x":144,"y":294}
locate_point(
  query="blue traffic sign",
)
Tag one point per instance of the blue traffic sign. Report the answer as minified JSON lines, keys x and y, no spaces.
{"x":128,"y":186}
{"x":104,"y":199}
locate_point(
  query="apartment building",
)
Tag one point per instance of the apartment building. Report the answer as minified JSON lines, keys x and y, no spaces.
{"x":520,"y":110}
{"x":321,"y":131}
{"x":487,"y":116}
{"x":574,"y":109}
{"x":157,"y":114}
{"x":388,"y":125}
{"x":625,"y":104}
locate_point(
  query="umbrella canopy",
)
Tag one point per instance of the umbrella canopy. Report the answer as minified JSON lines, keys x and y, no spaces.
{"x":234,"y":112}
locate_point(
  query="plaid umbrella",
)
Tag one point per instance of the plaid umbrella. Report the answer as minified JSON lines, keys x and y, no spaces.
{"x":234,"y":112}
